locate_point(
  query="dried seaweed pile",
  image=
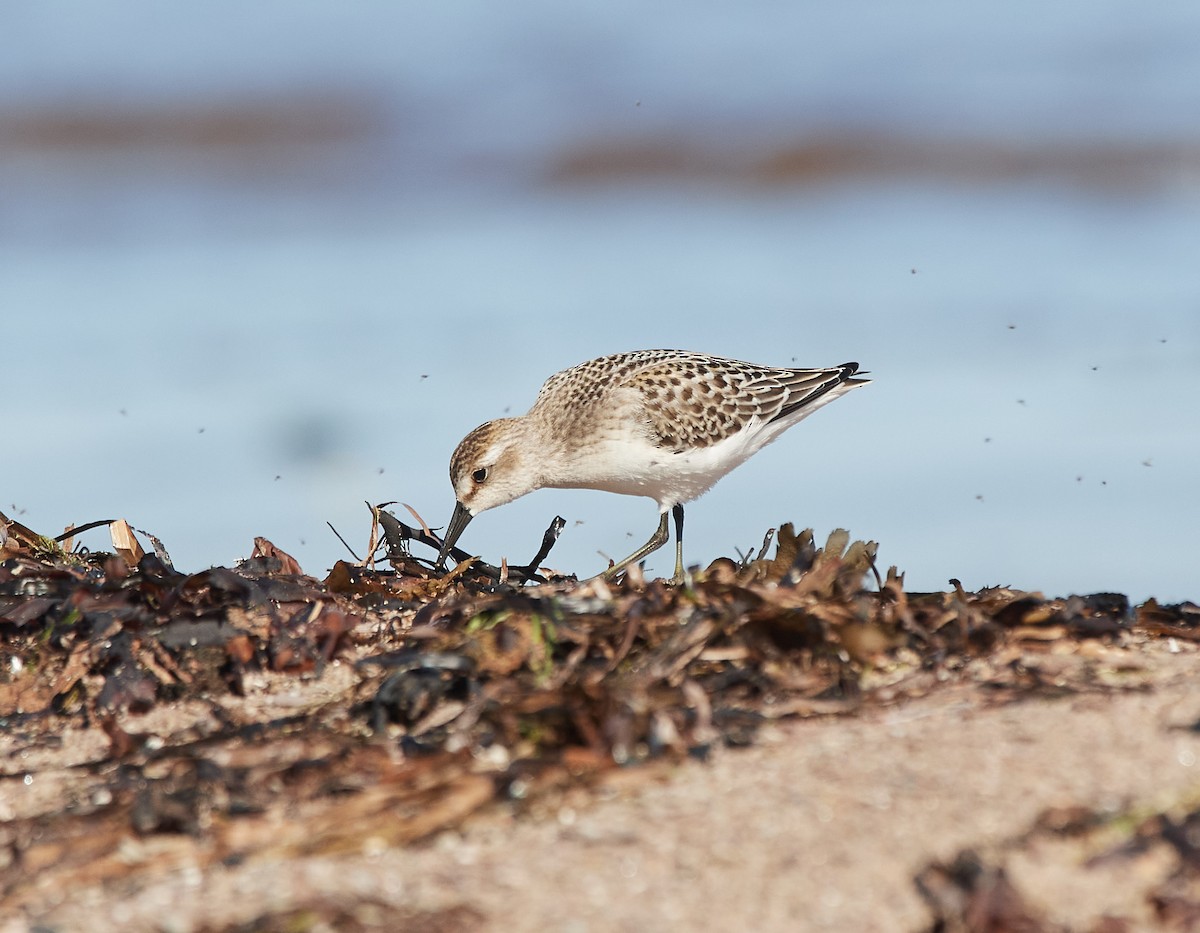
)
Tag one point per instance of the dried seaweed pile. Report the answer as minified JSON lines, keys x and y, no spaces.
{"x":385,"y":705}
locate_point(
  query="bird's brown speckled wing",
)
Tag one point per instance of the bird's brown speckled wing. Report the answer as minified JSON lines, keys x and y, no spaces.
{"x":694,"y":401}
{"x":688,"y":400}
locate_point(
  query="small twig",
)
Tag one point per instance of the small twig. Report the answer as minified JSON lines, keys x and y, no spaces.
{"x":160,"y":549}
{"x":420,"y":520}
{"x":875,"y":570}
{"x":767,"y":538}
{"x":548,"y":541}
{"x":82,"y":528}
{"x":373,"y":541}
{"x":343,"y":540}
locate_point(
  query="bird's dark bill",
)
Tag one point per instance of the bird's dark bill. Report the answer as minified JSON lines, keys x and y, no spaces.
{"x":458,"y":521}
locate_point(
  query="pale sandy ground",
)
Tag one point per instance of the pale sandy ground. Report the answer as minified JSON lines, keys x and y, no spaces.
{"x":821,"y":826}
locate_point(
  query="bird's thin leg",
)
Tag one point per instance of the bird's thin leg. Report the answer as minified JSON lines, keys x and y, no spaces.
{"x":657,"y":540}
{"x":680,"y":574}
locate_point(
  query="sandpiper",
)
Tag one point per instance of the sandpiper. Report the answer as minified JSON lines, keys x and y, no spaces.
{"x":666,"y":424}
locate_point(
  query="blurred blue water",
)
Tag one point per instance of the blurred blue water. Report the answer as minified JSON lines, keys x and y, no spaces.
{"x":223,"y":344}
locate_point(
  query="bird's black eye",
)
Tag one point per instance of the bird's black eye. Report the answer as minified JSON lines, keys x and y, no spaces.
{"x":480,"y":475}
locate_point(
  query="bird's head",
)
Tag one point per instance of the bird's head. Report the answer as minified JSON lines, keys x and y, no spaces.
{"x":490,"y":467}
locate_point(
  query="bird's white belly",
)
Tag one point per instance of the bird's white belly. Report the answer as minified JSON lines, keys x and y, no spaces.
{"x":641,"y":469}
